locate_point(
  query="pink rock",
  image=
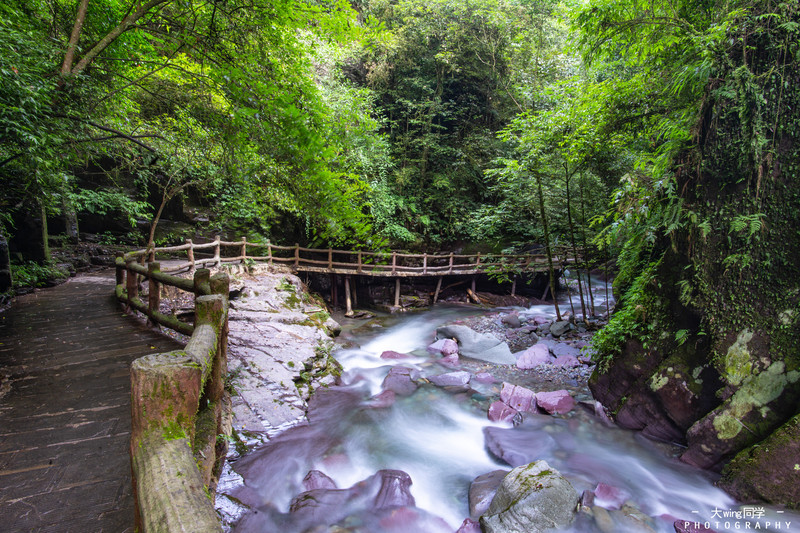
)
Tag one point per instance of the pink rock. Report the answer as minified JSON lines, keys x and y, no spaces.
{"x":400,"y":379}
{"x":538,"y":354}
{"x":318,"y":480}
{"x":444,"y":347}
{"x":569,"y":361}
{"x":451,"y":379}
{"x":384,"y":399}
{"x":450,"y":361}
{"x":389,"y":354}
{"x":485,"y":377}
{"x":469,"y":526}
{"x":518,"y":398}
{"x":610,"y":497}
{"x":540,"y":320}
{"x":556,"y":402}
{"x":500,"y":412}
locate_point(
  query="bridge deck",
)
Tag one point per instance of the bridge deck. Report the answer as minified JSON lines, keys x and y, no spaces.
{"x":65,"y":422}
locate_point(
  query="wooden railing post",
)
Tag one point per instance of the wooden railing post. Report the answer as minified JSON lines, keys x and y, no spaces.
{"x":120,"y":270}
{"x":217,"y":247}
{"x":296,"y":255}
{"x":201,"y":281}
{"x":190,"y":254}
{"x":269,"y":252}
{"x":153,"y":293}
{"x":131,"y":286}
{"x":359,"y":263}
{"x":478,"y":262}
{"x":425,"y":263}
{"x":244,"y":249}
{"x":394,"y":262}
{"x":330,"y":258}
{"x":451,"y":263}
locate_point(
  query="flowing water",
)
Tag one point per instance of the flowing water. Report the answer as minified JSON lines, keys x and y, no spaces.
{"x":438,"y":438}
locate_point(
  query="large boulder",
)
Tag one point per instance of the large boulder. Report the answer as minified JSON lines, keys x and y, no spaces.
{"x":532,"y":498}
{"x":768,"y":471}
{"x":538,"y":354}
{"x":477,"y":345}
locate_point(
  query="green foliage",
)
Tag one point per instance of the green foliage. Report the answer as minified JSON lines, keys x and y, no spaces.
{"x":30,"y":274}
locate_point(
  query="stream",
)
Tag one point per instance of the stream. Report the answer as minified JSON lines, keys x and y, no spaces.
{"x":438,"y":438}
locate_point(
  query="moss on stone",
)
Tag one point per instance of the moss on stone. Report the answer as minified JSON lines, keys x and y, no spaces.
{"x":737,"y":362}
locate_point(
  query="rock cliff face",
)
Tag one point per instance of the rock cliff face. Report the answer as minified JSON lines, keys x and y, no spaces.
{"x":708,"y":352}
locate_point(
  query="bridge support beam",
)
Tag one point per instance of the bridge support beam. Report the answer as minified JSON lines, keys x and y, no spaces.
{"x":397,"y":292}
{"x":347,"y":297}
{"x":438,"y":288}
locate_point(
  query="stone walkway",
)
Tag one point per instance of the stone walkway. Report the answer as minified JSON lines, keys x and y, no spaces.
{"x":65,"y":355}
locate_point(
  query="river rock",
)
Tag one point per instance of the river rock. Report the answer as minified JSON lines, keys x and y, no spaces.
{"x":482,"y":491}
{"x":538,"y":354}
{"x":450,"y":361}
{"x":478,"y":345}
{"x":384,"y":399}
{"x":500,"y":412}
{"x":610,"y":497}
{"x":485,"y":377}
{"x":518,"y":398}
{"x":563,"y":348}
{"x":555,"y":402}
{"x":469,"y":526}
{"x":395,"y":490}
{"x":318,"y":480}
{"x":566,"y":361}
{"x":531,"y":499}
{"x":517,"y":447}
{"x":444,"y":347}
{"x":560,"y":327}
{"x":511,"y":320}
{"x":451,"y":379}
{"x":392,"y":355}
{"x":400,"y":380}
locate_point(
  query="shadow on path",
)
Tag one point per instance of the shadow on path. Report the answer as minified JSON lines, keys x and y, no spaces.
{"x":65,"y":355}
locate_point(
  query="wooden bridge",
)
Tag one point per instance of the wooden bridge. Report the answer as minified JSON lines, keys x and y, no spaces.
{"x":190,"y":256}
{"x":387,"y":264}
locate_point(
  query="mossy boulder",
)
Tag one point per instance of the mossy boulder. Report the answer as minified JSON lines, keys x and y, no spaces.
{"x":531,"y":498}
{"x":769,"y":470}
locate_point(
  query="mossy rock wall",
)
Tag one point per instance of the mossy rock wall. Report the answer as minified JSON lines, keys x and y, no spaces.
{"x":706,"y":343}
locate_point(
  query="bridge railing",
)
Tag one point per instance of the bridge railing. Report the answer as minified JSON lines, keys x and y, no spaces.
{"x":332,"y":260}
{"x":178,"y":403}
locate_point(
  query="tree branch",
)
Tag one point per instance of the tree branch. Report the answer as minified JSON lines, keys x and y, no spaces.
{"x":129,"y":20}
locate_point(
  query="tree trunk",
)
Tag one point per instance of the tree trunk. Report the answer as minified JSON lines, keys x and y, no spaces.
{"x":567,"y":179}
{"x":547,"y":244}
{"x":45,"y":235}
{"x":72,"y":45}
{"x":585,"y":247}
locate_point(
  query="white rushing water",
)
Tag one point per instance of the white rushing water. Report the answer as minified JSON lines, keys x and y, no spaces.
{"x":438,"y":439}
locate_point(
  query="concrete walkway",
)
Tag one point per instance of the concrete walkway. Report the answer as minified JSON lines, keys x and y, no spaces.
{"x":65,"y":354}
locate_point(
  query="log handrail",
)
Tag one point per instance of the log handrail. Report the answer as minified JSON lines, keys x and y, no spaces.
{"x":177,"y":398}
